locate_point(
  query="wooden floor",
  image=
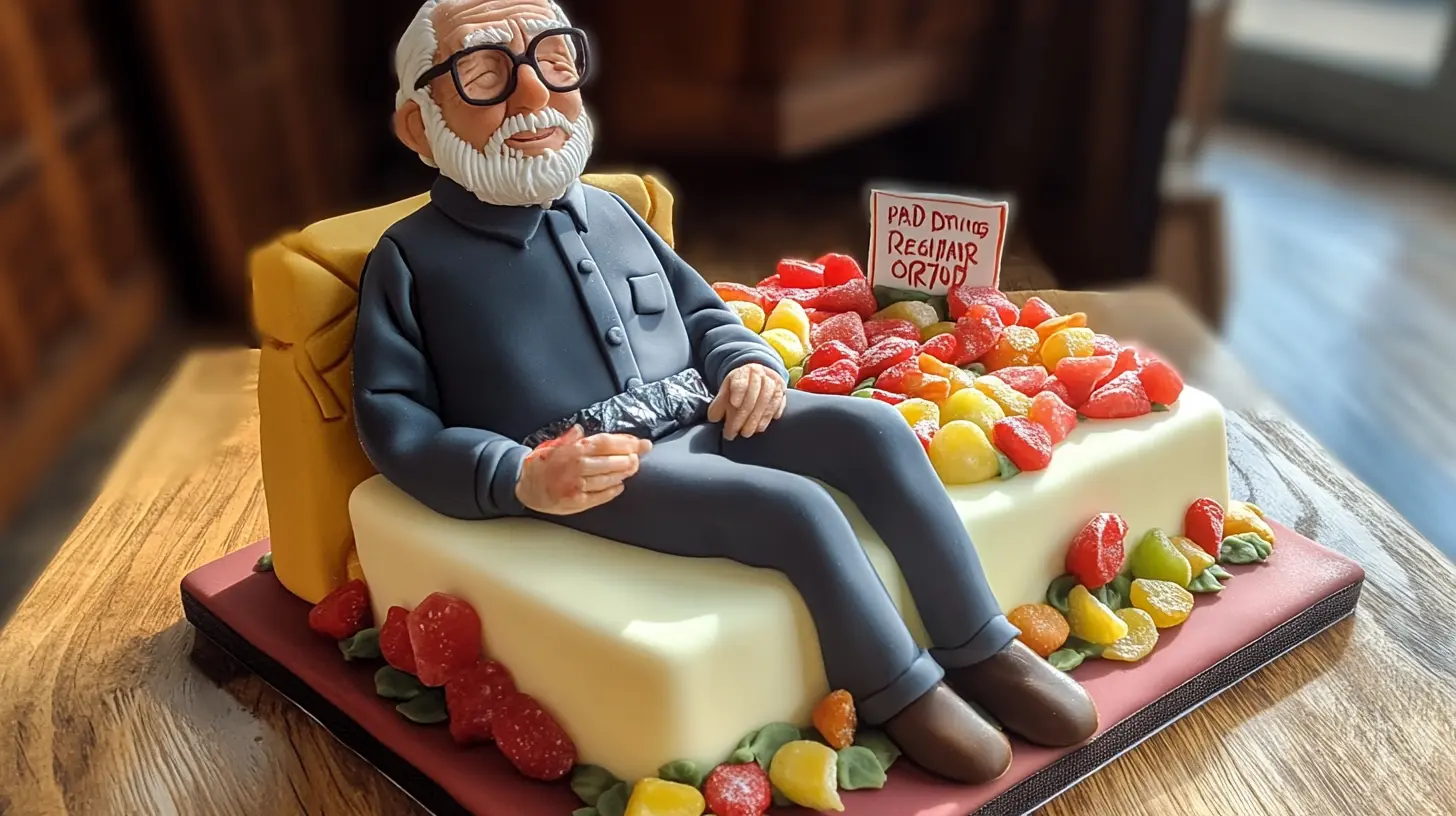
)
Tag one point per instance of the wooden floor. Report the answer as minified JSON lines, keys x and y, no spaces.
{"x":1343,"y":305}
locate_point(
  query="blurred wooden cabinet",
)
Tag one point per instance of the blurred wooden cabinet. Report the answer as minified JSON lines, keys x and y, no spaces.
{"x":79,"y":290}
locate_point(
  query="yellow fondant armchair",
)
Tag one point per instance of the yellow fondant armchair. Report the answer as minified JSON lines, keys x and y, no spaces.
{"x":305,"y":294}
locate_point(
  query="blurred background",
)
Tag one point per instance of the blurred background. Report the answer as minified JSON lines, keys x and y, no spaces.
{"x":1285,"y":166}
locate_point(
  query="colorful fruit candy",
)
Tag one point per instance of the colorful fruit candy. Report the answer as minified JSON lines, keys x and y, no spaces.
{"x":394,"y":642}
{"x":655,"y":797}
{"x":883,"y":396}
{"x":1091,"y":620}
{"x":1138,"y":642}
{"x":473,"y":697}
{"x":1128,"y":359}
{"x":851,"y":296}
{"x":790,"y":316}
{"x":343,"y":612}
{"x":916,"y":411}
{"x":1013,"y":402}
{"x":836,"y":720}
{"x":1058,"y":418}
{"x":1156,"y":558}
{"x":877,"y":330}
{"x":445,"y":633}
{"x":1025,"y":443}
{"x":1097,"y":551}
{"x":1042,"y":627}
{"x":960,"y":299}
{"x":738,"y":790}
{"x":959,"y":378}
{"x":846,"y":328}
{"x":800,"y":274}
{"x":885,"y":354}
{"x":937,"y":329}
{"x":961,"y":454}
{"x":830,"y":353}
{"x":1017,"y":346}
{"x":919,"y":313}
{"x":750,"y":313}
{"x":1203,"y":523}
{"x":807,"y":773}
{"x":1057,"y":388}
{"x":1243,"y":517}
{"x":908,"y":378}
{"x":1121,"y":398}
{"x":838,"y":269}
{"x":1105,"y":346}
{"x":1034,"y":312}
{"x":1075,"y":320}
{"x":1161,"y":381}
{"x":736,"y":292}
{"x":1165,"y":602}
{"x":1080,"y":376}
{"x":1026,"y":379}
{"x":838,"y":378}
{"x":1198,"y":560}
{"x":532,"y":740}
{"x":978,"y":332}
{"x":943,"y":347}
{"x":1066,"y":343}
{"x":788,"y":345}
{"x":925,"y":432}
{"x":973,"y":406}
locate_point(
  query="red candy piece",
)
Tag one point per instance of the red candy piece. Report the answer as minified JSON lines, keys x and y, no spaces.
{"x":343,"y":612}
{"x":817,"y":316}
{"x":887,"y":397}
{"x":1081,"y":375}
{"x":884,"y":354}
{"x":1096,"y":554}
{"x":847,"y":328}
{"x":877,"y":330}
{"x":1161,"y":381}
{"x":828,"y":354}
{"x":1105,"y":346}
{"x":800,"y":274}
{"x":901,"y":378}
{"x":1049,"y":411}
{"x":445,"y":632}
{"x":1121,"y":398}
{"x":1057,"y":387}
{"x":738,"y":790}
{"x":1203,"y":524}
{"x":1025,"y":443}
{"x":1026,"y":379}
{"x":839,"y":378}
{"x":978,"y":330}
{"x":925,"y":431}
{"x":730,"y":291}
{"x":473,"y":697}
{"x":394,"y":641}
{"x":1035,"y":312}
{"x":1128,"y":359}
{"x":961,"y":298}
{"x":850,"y":296}
{"x":943,"y":347}
{"x":838,"y":269}
{"x":532,"y":740}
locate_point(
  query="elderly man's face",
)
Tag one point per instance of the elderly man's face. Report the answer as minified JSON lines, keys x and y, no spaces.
{"x":455,"y":20}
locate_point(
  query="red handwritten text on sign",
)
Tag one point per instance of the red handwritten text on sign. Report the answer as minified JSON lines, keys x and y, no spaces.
{"x":935,"y":242}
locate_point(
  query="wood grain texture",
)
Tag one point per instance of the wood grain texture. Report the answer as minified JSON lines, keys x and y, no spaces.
{"x":103,"y":713}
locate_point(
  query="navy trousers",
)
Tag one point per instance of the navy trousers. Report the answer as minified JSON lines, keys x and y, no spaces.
{"x":756,"y":501}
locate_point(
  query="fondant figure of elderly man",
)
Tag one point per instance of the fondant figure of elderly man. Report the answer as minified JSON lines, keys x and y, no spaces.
{"x":521,"y":306}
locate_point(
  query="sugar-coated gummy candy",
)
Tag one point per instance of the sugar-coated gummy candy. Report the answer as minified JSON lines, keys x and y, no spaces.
{"x":943,"y":347}
{"x":1122,"y":398}
{"x":836,"y":720}
{"x":1162,"y":383}
{"x":394,"y":642}
{"x":851,"y":296}
{"x":532,"y":740}
{"x":958,"y":378}
{"x":1034,"y":312}
{"x":919,"y":410}
{"x":847,"y":328}
{"x":807,"y":773}
{"x":885,"y":354}
{"x":925,"y":431}
{"x":445,"y":633}
{"x":937,"y":329}
{"x":827,"y":354}
{"x":738,"y":790}
{"x":961,"y":454}
{"x":1203,"y":523}
{"x":1105,"y":346}
{"x":973,"y":406}
{"x":917,"y":312}
{"x":1243,"y":517}
{"x":787,"y":344}
{"x":738,"y":293}
{"x":1198,"y":560}
{"x":1013,"y":402}
{"x":838,"y":378}
{"x":1066,"y":343}
{"x":1025,"y":443}
{"x":1049,"y":327}
{"x":838,"y":269}
{"x":960,"y":299}
{"x":1080,"y":376}
{"x":655,"y":797}
{"x":877,"y":330}
{"x":1096,"y":554}
{"x":978,"y":331}
{"x":790,"y":316}
{"x":799,"y":274}
{"x":343,"y":612}
{"x":1050,"y":412}
{"x":1091,"y":620}
{"x":1138,"y":642}
{"x":1058,"y":389}
{"x":750,"y":313}
{"x":1165,"y":602}
{"x":1128,"y":359}
{"x":1043,"y":629}
{"x":1157,"y":559}
{"x":1026,"y":379}
{"x":1017,"y":346}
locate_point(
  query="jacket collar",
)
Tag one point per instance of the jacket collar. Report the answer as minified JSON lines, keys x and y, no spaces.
{"x":514,"y":225}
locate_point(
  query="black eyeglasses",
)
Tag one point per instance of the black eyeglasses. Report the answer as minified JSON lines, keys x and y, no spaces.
{"x":486,"y":75}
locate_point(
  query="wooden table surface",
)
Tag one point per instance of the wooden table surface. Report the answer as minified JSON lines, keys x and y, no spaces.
{"x":103,"y":713}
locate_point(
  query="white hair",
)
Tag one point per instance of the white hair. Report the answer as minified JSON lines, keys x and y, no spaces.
{"x":496,"y":174}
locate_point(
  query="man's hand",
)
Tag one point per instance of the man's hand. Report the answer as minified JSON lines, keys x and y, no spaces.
{"x":751,"y":397}
{"x":578,"y":472}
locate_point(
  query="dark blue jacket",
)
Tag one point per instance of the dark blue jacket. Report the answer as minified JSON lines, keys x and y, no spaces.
{"x":479,"y":325}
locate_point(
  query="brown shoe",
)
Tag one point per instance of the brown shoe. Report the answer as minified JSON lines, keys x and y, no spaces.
{"x":943,"y":735}
{"x":1028,"y":696}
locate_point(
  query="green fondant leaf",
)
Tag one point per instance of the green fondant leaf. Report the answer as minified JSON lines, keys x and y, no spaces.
{"x":1159,"y":408}
{"x":859,"y":769}
{"x":1107,"y":594}
{"x":684,"y":772}
{"x":1085,"y":648}
{"x":586,"y":811}
{"x":978,"y":369}
{"x":1081,"y":417}
{"x":613,"y":801}
{"x":811,"y":734}
{"x":1205,"y":582}
{"x":766,"y":741}
{"x":880,"y":744}
{"x":265,"y":563}
{"x":1123,"y":585}
{"x":589,"y":782}
{"x":888,"y":295}
{"x":426,"y":709}
{"x":740,"y":756}
{"x":1218,"y":572}
{"x":795,"y":374}
{"x":1058,"y":591}
{"x":863,"y":393}
{"x":1008,"y":468}
{"x":942,"y":307}
{"x":1244,"y":548}
{"x":364,"y":645}
{"x":1065,"y":659}
{"x":867,"y":384}
{"x":394,"y":684}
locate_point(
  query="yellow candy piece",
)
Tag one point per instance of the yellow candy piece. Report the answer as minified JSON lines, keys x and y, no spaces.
{"x":1197,"y":558}
{"x":935,"y":330}
{"x":790,"y":348}
{"x":1141,"y":637}
{"x":1242,"y":517}
{"x":1012,"y":402}
{"x":959,"y":378}
{"x":1067,"y":343}
{"x":1090,"y":618}
{"x":750,"y":313}
{"x":962,"y":454}
{"x":791,"y":316}
{"x":921,"y":314}
{"x":917,"y":411}
{"x":973,"y":406}
{"x":1047,"y":328}
{"x":808,"y":774}
{"x":654,"y":797}
{"x":1165,"y":602}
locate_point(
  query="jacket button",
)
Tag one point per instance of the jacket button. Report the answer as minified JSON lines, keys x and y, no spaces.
{"x":616,"y":336}
{"x":587,"y":266}
{"x":633,"y":382}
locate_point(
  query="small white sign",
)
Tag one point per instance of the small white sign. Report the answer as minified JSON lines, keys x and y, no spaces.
{"x":933,"y":242}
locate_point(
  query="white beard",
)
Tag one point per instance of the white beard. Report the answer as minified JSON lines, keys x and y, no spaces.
{"x":501,"y":175}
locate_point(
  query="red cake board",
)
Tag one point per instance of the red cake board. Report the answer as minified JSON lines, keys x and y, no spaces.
{"x":1264,"y":611}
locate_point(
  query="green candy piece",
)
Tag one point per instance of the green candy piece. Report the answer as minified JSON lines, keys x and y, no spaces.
{"x":866,"y":385}
{"x":761,"y":745}
{"x":393,"y":684}
{"x":1205,"y":582}
{"x":1159,"y":408}
{"x":1244,"y":548}
{"x":863,"y":393}
{"x":428,"y":708}
{"x":860,"y":769}
{"x":1157,"y":559}
{"x":1064,"y":660}
{"x":878,"y":742}
{"x":589,"y":782}
{"x":265,"y":563}
{"x":1058,"y":591}
{"x":1218,"y":572}
{"x":613,"y":801}
{"x":364,"y":645}
{"x":795,"y":374}
{"x":683,"y":772}
{"x":975,"y":368}
{"x":1008,"y":468}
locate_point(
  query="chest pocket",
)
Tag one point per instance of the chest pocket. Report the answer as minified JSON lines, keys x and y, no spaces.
{"x":649,"y":296}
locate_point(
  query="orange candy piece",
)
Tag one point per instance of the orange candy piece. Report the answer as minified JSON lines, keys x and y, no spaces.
{"x":836,"y":720}
{"x":1075,"y":320}
{"x":1017,"y":346}
{"x":1043,"y":628}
